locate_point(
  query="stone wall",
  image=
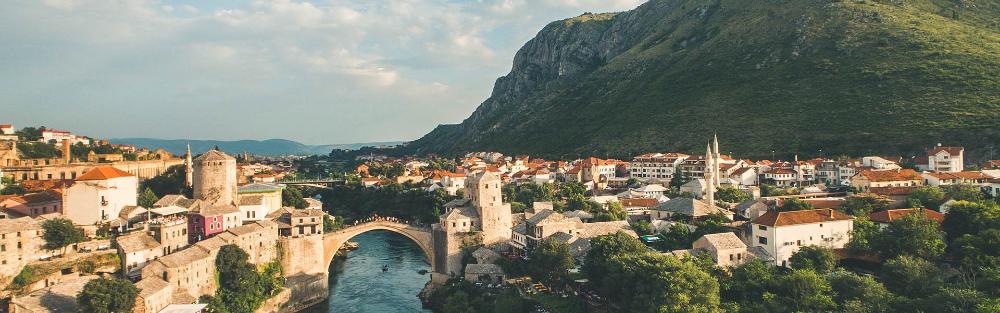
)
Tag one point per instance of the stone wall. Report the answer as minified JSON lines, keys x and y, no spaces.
{"x":306,"y":275}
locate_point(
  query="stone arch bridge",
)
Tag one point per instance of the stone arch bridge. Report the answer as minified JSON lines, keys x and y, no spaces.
{"x":333,"y":241}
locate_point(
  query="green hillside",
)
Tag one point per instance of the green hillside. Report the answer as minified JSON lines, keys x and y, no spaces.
{"x":847,"y":77}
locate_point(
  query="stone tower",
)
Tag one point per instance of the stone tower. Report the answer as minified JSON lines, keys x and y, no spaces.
{"x":214,"y":178}
{"x":188,"y":170}
{"x":485,"y":192}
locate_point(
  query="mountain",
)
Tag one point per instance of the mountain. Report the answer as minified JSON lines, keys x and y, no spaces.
{"x":259,"y":147}
{"x":848,"y":77}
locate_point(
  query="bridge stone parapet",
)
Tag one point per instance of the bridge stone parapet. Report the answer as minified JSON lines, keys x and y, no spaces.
{"x":333,"y":241}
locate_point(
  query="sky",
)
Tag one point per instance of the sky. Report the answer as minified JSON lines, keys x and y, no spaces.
{"x":318,"y":72}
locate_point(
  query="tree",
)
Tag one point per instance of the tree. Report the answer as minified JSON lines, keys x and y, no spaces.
{"x":966,"y":217}
{"x":926,"y":197}
{"x":570,"y":189}
{"x":732,"y":195}
{"x":953,"y":300}
{"x":171,"y":182}
{"x":978,"y":251}
{"x":642,"y":228}
{"x":747,"y":284}
{"x":815,"y":258}
{"x":292,"y":197}
{"x":616,"y":212}
{"x":241,"y":288}
{"x":802,"y":290}
{"x":678,"y":236}
{"x":107,"y":295}
{"x":60,"y":233}
{"x":864,"y":236}
{"x":596,"y":264}
{"x":965,"y":193}
{"x":147,"y":198}
{"x":13,"y":189}
{"x":458,"y":302}
{"x":911,"y":276}
{"x":551,"y":260}
{"x":861,"y":205}
{"x":861,"y":293}
{"x":914,"y":234}
{"x":793,"y":204}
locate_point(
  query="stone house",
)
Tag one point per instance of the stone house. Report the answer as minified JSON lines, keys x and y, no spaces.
{"x":99,"y":195}
{"x":781,"y":234}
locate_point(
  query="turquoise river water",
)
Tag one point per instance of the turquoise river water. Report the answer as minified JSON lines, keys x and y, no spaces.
{"x":358,"y":284}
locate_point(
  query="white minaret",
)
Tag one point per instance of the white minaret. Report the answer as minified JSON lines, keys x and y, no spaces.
{"x":188,"y":168}
{"x":717,"y":173}
{"x":709,"y":176}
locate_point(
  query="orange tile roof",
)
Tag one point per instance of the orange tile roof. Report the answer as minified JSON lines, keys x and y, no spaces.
{"x":892,"y":191}
{"x":888,"y":216}
{"x":950,"y":150}
{"x":39,"y":185}
{"x":638,"y":202}
{"x":891,"y":175}
{"x":103,"y":173}
{"x":774,"y":218}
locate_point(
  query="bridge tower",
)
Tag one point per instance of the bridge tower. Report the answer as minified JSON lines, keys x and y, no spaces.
{"x":487,"y":198}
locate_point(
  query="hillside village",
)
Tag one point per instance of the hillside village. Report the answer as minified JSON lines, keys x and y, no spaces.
{"x":497,"y":210}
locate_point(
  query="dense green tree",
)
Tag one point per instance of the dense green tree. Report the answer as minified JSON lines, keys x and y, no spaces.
{"x":147,"y":198}
{"x":171,"y":182}
{"x":816,"y":258}
{"x":911,"y":276}
{"x":570,"y":189}
{"x":37,"y":150}
{"x":964,"y":193}
{"x":596,"y":262}
{"x":980,"y":250}
{"x":642,"y":228}
{"x":30,"y":133}
{"x":802,"y":290}
{"x":926,"y":197}
{"x":864,"y":235}
{"x":966,"y":217}
{"x":292,"y":197}
{"x":913,"y":234}
{"x":861,"y":205}
{"x":551,"y":260}
{"x":12,"y":189}
{"x":747,"y":284}
{"x":953,"y":300}
{"x":858,"y":293}
{"x":652,"y":282}
{"x":678,"y":236}
{"x":615,"y":212}
{"x":59,"y":233}
{"x":732,"y":195}
{"x":241,"y":288}
{"x":793,"y":204}
{"x":107,"y":295}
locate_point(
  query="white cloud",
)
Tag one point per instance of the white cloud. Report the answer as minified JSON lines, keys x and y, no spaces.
{"x":396,"y":68}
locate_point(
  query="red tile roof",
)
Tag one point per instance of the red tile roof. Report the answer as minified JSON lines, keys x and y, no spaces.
{"x":638,"y":202}
{"x":951,"y":150}
{"x":892,"y":191}
{"x":891,"y":175}
{"x":888,"y":216}
{"x":103,"y":173}
{"x":774,"y":218}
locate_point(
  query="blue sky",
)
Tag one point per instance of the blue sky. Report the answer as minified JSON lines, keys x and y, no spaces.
{"x":323,"y":71}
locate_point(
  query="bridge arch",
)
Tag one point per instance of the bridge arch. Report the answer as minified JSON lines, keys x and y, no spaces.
{"x":333,"y":241}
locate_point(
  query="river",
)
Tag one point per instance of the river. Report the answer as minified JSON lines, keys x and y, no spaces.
{"x":357,"y":283}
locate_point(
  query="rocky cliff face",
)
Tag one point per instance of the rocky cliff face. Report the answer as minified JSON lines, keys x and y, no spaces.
{"x":669,"y":71}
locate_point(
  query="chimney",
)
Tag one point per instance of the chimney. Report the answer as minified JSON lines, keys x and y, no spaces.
{"x":65,"y":151}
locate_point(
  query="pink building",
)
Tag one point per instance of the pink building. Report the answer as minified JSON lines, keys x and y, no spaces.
{"x":206,"y":221}
{"x":32,"y":204}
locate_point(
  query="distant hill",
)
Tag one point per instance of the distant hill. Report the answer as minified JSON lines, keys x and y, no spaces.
{"x":848,"y":77}
{"x":259,"y":147}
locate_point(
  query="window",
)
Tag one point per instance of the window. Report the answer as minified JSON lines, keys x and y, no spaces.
{"x":798,"y":242}
{"x":762,"y":227}
{"x":762,"y":240}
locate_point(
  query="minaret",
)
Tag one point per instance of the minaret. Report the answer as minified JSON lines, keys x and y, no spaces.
{"x":188,"y":168}
{"x":718,"y":159}
{"x":709,"y":176}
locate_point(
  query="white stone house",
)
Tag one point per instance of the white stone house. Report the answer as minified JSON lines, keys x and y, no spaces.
{"x":946,"y":159}
{"x":781,"y":234}
{"x":99,"y":195}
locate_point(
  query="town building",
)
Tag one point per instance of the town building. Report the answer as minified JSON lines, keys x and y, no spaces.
{"x":205,"y":221}
{"x":32,"y":204}
{"x":781,"y":234}
{"x":480,"y":218}
{"x":99,"y":195}
{"x":937,"y":179}
{"x":884,"y":218}
{"x":656,"y":166}
{"x":257,"y":200}
{"x":946,"y":159}
{"x":867,"y":179}
{"x":726,"y":249}
{"x":692,"y":208}
{"x":20,"y":244}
